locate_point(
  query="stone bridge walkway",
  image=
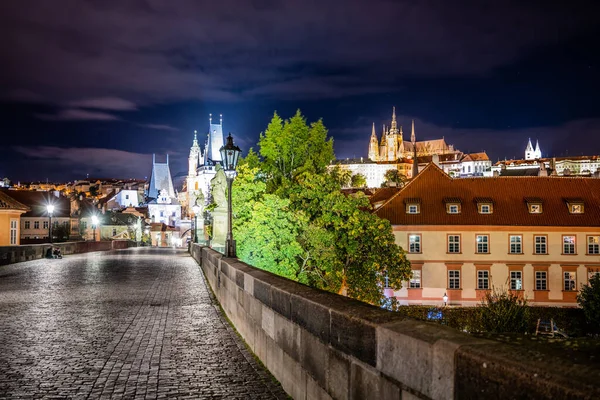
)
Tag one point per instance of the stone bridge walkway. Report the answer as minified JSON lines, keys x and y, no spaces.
{"x":132,"y":324}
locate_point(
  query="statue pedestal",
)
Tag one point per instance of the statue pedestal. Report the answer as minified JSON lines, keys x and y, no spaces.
{"x":219,"y":229}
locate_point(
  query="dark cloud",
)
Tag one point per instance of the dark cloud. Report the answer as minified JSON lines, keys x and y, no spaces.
{"x":105,"y":103}
{"x":73,"y":114}
{"x":159,"y":127}
{"x":152,"y":51}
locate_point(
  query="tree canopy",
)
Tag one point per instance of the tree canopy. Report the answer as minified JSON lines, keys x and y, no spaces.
{"x":291,"y":217}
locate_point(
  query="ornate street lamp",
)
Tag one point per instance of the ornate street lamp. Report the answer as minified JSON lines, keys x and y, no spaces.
{"x":50,"y":209}
{"x":196,"y":210}
{"x":445,"y":298}
{"x":230,"y":154}
{"x":94,"y":224}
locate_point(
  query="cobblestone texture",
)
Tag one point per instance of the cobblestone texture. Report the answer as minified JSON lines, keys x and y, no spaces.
{"x":132,"y":324}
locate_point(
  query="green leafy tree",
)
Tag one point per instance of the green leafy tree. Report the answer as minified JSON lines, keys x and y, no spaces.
{"x":358,"y":181}
{"x":394,"y":176}
{"x":264,"y":227}
{"x":291,"y":147}
{"x":94,"y":191}
{"x":342,"y":176}
{"x":589,"y":300}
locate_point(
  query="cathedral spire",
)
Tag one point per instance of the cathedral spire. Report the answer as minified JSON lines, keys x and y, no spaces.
{"x":394,"y":127}
{"x":373,"y":134}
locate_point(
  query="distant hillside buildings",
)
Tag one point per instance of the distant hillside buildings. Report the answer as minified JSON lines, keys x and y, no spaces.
{"x":391,"y":151}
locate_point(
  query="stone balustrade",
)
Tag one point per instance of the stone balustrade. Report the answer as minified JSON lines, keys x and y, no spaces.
{"x":14,"y":254}
{"x":321,"y":346}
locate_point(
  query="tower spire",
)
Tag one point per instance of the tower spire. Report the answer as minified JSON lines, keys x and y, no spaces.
{"x":210,"y":118}
{"x":373,"y":134}
{"x":394,"y":127}
{"x":413,"y":137}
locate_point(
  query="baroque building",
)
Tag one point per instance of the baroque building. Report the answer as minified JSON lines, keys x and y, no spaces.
{"x":202,"y":165}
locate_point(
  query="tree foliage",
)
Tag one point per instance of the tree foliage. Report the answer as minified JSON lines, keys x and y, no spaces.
{"x":358,"y":181}
{"x":394,"y":176}
{"x":291,"y":218}
{"x":589,"y":300}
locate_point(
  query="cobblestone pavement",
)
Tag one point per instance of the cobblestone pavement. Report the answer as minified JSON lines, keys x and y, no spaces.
{"x":132,"y":324}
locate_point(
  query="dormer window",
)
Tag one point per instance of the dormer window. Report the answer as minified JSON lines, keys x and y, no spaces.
{"x":485,"y":205}
{"x":534,"y":205}
{"x":453,"y":208}
{"x":575,"y":206}
{"x":413,"y":206}
{"x":452,"y":205}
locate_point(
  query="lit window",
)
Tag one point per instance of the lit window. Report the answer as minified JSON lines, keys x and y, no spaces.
{"x":454,"y":279}
{"x":540,"y":244}
{"x":13,"y":231}
{"x":453,"y":244}
{"x":569,"y":280}
{"x":483,"y":279}
{"x":541,"y":280}
{"x":568,"y":244}
{"x":576,"y":208}
{"x":535,"y":208}
{"x":412,"y":209}
{"x":593,"y":244}
{"x":482,"y":243}
{"x":485,"y":209}
{"x":414,"y":243}
{"x":516,"y":280}
{"x":415,"y":281}
{"x":516,"y":242}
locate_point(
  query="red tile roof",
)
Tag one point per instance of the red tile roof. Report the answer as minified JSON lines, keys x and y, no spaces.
{"x":8,"y":203}
{"x":508,"y":194}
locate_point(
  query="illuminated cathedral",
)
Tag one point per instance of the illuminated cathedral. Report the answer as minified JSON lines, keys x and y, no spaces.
{"x":392,"y":146}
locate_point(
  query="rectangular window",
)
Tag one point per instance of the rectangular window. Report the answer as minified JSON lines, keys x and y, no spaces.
{"x":415,"y":281}
{"x":413,"y":209}
{"x":453,"y":209}
{"x":162,"y":213}
{"x":414,"y":243}
{"x":454,"y":279}
{"x":516,"y":280}
{"x":516,"y":244}
{"x":114,"y":231}
{"x":485,"y":209}
{"x":593,"y":245}
{"x":569,"y":281}
{"x":482,"y":243}
{"x":453,"y":243}
{"x":576,"y":208}
{"x":126,"y":197}
{"x":541,"y":280}
{"x":568,"y":244}
{"x":37,"y":224}
{"x":13,"y":231}
{"x":27,"y":224}
{"x":540,"y":244}
{"x":84,"y":224}
{"x":483,"y":279}
{"x":535,"y":208}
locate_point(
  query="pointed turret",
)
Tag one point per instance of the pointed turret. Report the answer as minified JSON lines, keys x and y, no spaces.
{"x":394,"y":127}
{"x":413,"y":138}
{"x":529,"y":153}
{"x":373,"y":147}
{"x":537,"y":152}
{"x":194,"y":158}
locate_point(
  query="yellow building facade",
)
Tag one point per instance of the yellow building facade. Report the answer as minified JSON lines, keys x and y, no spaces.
{"x":10,"y":220}
{"x":538,"y":237}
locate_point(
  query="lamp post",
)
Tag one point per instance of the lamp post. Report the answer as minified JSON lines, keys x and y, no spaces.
{"x":196,"y":210}
{"x":94,"y":224}
{"x":445,"y":298}
{"x":50,"y":209}
{"x":229,"y":155}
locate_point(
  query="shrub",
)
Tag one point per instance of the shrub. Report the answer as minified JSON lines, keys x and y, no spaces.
{"x":589,"y":300}
{"x":503,"y":311}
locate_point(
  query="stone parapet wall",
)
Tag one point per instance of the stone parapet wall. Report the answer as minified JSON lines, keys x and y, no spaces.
{"x":15,"y":254}
{"x":323,"y":346}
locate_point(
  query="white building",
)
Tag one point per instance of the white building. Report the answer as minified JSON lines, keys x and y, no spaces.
{"x":123,"y":199}
{"x":201,"y":165}
{"x":163,"y":206}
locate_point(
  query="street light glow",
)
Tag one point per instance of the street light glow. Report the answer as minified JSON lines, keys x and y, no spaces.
{"x":50,"y":208}
{"x":94,"y":220}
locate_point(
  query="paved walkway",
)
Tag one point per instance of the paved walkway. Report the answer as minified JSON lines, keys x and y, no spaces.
{"x":133,"y":324}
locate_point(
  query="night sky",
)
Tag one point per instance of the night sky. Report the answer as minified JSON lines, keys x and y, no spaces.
{"x":96,"y":87}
